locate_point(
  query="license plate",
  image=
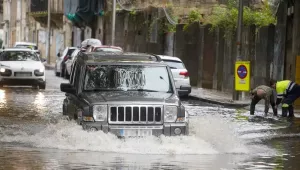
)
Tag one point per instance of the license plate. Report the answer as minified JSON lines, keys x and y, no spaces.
{"x":23,"y":74}
{"x":135,"y":132}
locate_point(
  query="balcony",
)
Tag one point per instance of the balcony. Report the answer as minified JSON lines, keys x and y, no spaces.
{"x":39,"y":11}
{"x":83,"y":12}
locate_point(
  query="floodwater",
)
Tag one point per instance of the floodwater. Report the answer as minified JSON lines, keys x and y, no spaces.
{"x":35,"y":135}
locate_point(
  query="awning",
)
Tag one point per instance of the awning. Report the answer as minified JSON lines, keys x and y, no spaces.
{"x":82,"y":12}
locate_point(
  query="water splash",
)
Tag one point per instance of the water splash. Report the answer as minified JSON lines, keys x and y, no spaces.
{"x":209,"y":135}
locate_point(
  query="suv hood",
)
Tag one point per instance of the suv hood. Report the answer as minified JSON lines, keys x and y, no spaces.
{"x":27,"y":65}
{"x":130,"y":97}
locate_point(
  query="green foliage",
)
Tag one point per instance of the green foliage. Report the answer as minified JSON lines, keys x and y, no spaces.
{"x":194,"y":16}
{"x":133,"y":12}
{"x":226,"y":18}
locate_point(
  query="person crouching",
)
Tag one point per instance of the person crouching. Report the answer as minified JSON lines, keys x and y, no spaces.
{"x":266,"y":93}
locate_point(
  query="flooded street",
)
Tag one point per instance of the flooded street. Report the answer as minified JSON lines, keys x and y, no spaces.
{"x":34,"y":135}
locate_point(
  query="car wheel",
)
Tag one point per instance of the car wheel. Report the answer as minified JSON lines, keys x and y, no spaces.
{"x":42,"y":86}
{"x":66,"y":74}
{"x":62,"y":72}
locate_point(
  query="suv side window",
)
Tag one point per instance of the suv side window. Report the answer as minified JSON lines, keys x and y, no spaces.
{"x":77,"y":76}
{"x":73,"y":73}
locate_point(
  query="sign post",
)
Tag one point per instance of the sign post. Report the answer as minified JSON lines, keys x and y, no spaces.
{"x":242,"y":75}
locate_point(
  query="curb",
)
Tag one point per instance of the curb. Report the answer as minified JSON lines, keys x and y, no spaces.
{"x":225,"y":104}
{"x":49,"y":67}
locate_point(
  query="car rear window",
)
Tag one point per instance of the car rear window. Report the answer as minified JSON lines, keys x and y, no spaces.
{"x":174,"y":64}
{"x":105,"y":49}
{"x":70,"y":51}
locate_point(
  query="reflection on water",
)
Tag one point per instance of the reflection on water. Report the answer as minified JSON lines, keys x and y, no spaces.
{"x":31,"y":158}
{"x":39,"y":101}
{"x":2,"y":97}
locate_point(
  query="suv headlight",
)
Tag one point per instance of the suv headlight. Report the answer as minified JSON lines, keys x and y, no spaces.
{"x":100,"y":112}
{"x":170,"y":114}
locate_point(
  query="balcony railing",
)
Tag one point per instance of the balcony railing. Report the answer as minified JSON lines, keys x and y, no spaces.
{"x":37,"y":6}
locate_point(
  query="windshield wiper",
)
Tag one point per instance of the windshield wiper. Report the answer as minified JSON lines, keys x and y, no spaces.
{"x":146,"y":90}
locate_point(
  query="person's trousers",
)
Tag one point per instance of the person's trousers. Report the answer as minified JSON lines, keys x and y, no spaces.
{"x":256,"y":99}
{"x":289,"y":99}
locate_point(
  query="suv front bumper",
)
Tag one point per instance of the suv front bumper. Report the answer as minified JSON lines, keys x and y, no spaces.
{"x":167,"y":129}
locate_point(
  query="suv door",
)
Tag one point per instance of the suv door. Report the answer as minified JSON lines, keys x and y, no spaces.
{"x":71,"y":100}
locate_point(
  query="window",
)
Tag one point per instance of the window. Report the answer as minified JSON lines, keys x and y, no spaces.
{"x":127,"y":78}
{"x":73,"y":71}
{"x":19,"y":56}
{"x":77,"y":76}
{"x":174,"y":64}
{"x":33,"y":47}
{"x":103,"y":49}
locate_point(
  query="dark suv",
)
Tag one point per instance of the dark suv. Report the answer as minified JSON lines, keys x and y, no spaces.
{"x":127,"y":94}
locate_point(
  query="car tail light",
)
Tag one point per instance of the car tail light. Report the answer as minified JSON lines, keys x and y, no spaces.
{"x":184,"y":73}
{"x":66,"y":58}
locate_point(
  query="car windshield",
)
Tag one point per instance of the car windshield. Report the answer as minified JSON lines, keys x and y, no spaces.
{"x":174,"y":64}
{"x":19,"y":56}
{"x":33,"y":47}
{"x":127,"y":78}
{"x":106,"y":49}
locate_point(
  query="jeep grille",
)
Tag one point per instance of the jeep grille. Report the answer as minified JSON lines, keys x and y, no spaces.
{"x":136,"y":114}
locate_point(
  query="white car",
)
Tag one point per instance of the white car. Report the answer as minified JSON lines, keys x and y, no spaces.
{"x":21,"y":66}
{"x":33,"y":46}
{"x":69,"y":62}
{"x":180,"y":74}
{"x":60,"y":64}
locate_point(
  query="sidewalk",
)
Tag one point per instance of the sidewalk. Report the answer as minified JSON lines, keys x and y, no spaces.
{"x":217,"y":97}
{"x":49,"y":66}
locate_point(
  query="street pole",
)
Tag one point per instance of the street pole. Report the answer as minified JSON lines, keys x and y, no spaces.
{"x":113,"y":23}
{"x":239,"y":44}
{"x":48,"y":32}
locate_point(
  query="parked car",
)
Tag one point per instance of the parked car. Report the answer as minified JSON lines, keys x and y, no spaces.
{"x":69,"y":63}
{"x":128,"y":94}
{"x":104,"y":48}
{"x":60,"y":65}
{"x":30,"y":45}
{"x":180,"y":74}
{"x":20,"y":66}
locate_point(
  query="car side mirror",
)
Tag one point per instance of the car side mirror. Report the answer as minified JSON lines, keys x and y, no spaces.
{"x":43,"y":60}
{"x":67,"y":88}
{"x":185,"y":87}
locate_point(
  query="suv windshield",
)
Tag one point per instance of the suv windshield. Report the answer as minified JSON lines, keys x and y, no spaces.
{"x":174,"y":64}
{"x":127,"y":78}
{"x":19,"y":56}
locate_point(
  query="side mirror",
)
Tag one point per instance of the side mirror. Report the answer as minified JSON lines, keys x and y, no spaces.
{"x":58,"y":55}
{"x":185,"y":87}
{"x":43,"y":60}
{"x":67,"y":88}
